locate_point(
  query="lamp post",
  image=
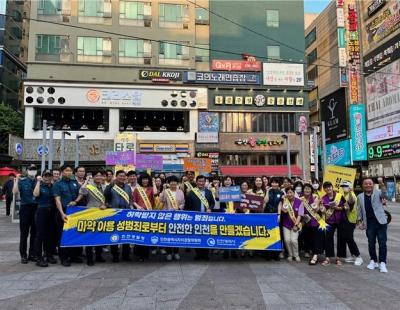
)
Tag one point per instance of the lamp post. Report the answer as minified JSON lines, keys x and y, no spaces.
{"x":62,"y":159}
{"x":77,"y":149}
{"x":51,"y":149}
{"x":303,"y":160}
{"x":44,"y":130}
{"x":323,"y":133}
{"x":315,"y":130}
{"x":286,"y":137}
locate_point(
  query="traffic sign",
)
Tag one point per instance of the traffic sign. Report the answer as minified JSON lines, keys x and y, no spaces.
{"x":40,"y":150}
{"x":18,"y":148}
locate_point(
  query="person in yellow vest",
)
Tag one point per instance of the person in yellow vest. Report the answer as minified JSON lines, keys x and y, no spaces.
{"x":349,"y":225}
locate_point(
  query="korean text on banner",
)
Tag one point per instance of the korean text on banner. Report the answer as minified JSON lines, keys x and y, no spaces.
{"x":336,"y":175}
{"x":358,"y":130}
{"x":231,"y":193}
{"x":120,"y":158}
{"x":251,"y":203}
{"x":153,"y":162}
{"x":202,"y":165}
{"x":92,"y":227}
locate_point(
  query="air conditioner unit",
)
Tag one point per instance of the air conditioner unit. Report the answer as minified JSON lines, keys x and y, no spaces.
{"x":185,"y":57}
{"x":147,"y":55}
{"x":147,"y":23}
{"x":202,"y":22}
{"x":199,"y":58}
{"x":107,"y":14}
{"x":147,"y":17}
{"x":147,"y":61}
{"x":185,"y":26}
{"x":106,"y":53}
{"x":66,"y":18}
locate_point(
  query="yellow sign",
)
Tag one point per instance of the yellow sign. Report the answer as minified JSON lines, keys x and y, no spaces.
{"x":126,"y":168}
{"x":336,"y":175}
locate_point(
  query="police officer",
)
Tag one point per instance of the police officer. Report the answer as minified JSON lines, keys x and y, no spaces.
{"x":44,"y":219}
{"x":24,"y":188}
{"x":66,"y":191}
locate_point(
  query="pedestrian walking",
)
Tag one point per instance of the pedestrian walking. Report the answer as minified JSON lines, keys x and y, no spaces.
{"x":7,"y":191}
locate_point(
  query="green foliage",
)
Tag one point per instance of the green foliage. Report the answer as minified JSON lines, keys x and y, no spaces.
{"x":11,"y":122}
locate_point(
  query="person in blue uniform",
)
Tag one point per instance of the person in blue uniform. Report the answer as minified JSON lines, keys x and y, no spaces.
{"x":44,"y":219}
{"x":24,"y":188}
{"x":66,"y":191}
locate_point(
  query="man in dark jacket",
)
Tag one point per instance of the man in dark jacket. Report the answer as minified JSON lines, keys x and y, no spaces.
{"x":200,"y":199}
{"x":7,"y":191}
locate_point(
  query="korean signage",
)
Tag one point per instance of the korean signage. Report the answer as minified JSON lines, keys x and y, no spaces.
{"x":382,"y":55}
{"x":338,"y":153}
{"x":358,"y":128}
{"x":202,"y":165}
{"x":145,"y":161}
{"x":384,"y":151}
{"x":251,"y":203}
{"x":383,"y":96}
{"x":229,"y":193}
{"x":354,"y":83}
{"x":383,"y":133}
{"x":303,"y":123}
{"x":214,"y":156}
{"x":236,"y":65}
{"x":283,"y":74}
{"x":340,"y":17}
{"x":342,"y":57}
{"x":257,"y":100}
{"x":125,"y":142}
{"x":160,"y":75}
{"x":120,"y":158}
{"x":230,"y":78}
{"x":341,"y":37}
{"x":343,"y":78}
{"x":208,"y":127}
{"x":375,"y":6}
{"x":333,"y":112}
{"x":163,"y":148}
{"x":258,"y":142}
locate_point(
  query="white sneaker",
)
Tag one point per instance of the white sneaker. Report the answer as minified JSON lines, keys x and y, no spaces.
{"x":154,"y":252}
{"x":169,"y":257}
{"x":349,"y":259}
{"x":177,"y":256}
{"x":359,"y":261}
{"x":163,"y":252}
{"x":382,"y":268}
{"x":298,"y":259}
{"x":372,"y":265}
{"x":290,"y":259}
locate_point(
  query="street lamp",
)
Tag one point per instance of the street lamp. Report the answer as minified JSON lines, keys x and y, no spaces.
{"x":77,"y":149}
{"x":62,"y":159}
{"x":286,"y":137}
{"x":321,"y":126}
{"x":44,"y":130}
{"x":303,"y":163}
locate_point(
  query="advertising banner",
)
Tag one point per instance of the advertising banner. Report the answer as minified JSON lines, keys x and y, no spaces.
{"x":120,"y":158}
{"x":339,"y":153}
{"x":283,"y":74}
{"x":153,"y":162}
{"x":208,"y":127}
{"x":230,"y":78}
{"x":93,"y":227}
{"x":214,"y":156}
{"x":384,"y":151}
{"x":230,"y":193}
{"x":160,"y":75}
{"x":201,"y":165}
{"x":336,"y":175}
{"x":341,"y":37}
{"x":391,"y":190}
{"x":383,"y":133}
{"x":333,"y":112}
{"x":383,"y":96}
{"x":235,"y":65}
{"x":250,"y":202}
{"x":358,"y":129}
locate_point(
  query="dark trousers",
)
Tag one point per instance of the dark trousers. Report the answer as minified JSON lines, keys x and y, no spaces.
{"x":44,"y":217}
{"x":142,"y":251}
{"x":347,"y":239}
{"x":316,"y":238}
{"x":305,"y":239}
{"x":202,"y":253}
{"x":65,"y":252}
{"x":27,"y":229}
{"x":330,"y":243}
{"x":377,"y":231}
{"x":172,"y":250}
{"x":89,"y":252}
{"x":8,"y":204}
{"x":125,"y":250}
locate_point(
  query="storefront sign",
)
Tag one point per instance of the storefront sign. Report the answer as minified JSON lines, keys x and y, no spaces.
{"x":253,"y":142}
{"x":208,"y":127}
{"x":384,"y":23}
{"x":341,"y":37}
{"x":213,"y":156}
{"x":283,"y":74}
{"x":153,"y":162}
{"x":340,"y":17}
{"x":120,"y":158}
{"x":333,"y":112}
{"x":160,"y":75}
{"x":163,"y":148}
{"x":201,"y":165}
{"x":338,"y":153}
{"x":125,"y":142}
{"x":207,"y":137}
{"x":259,"y":100}
{"x":375,"y":6}
{"x":251,"y":203}
{"x":352,"y":18}
{"x":342,"y":57}
{"x":343,"y":79}
{"x":383,"y":133}
{"x":358,"y":129}
{"x":303,"y":124}
{"x":384,"y":151}
{"x":382,"y":55}
{"x":354,"y":93}
{"x":383,"y":96}
{"x":231,"y":78}
{"x":339,"y":3}
{"x":236,"y":65}
{"x":230,"y":193}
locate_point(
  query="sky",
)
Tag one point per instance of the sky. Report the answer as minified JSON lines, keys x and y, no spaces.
{"x":315,"y":6}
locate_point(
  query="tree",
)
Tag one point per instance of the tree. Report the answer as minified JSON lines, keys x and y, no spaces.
{"x":11,"y":122}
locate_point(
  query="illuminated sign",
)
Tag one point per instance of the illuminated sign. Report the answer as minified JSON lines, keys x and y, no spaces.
{"x":253,"y":142}
{"x":384,"y":151}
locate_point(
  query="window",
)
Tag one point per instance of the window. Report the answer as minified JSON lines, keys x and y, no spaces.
{"x":311,"y":37}
{"x":134,"y":51}
{"x":173,"y":16}
{"x":312,"y":56}
{"x":273,"y":52}
{"x":202,"y":16}
{"x":135,"y":13}
{"x":49,"y":7}
{"x":202,"y":53}
{"x":94,"y":8}
{"x":272,"y":18}
{"x":312,"y":74}
{"x":52,"y":48}
{"x":92,"y":49}
{"x":174,"y":53}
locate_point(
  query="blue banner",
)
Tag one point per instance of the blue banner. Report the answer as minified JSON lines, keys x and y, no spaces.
{"x":338,"y":153}
{"x":358,"y":129}
{"x":231,"y":193}
{"x":92,"y":226}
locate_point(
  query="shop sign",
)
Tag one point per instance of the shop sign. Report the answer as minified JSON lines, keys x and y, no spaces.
{"x":253,"y":142}
{"x":125,"y":142}
{"x":235,"y":65}
{"x":341,"y":37}
{"x":338,"y":153}
{"x":342,"y":57}
{"x":230,"y":78}
{"x":384,"y":24}
{"x":208,"y":122}
{"x":214,"y":156}
{"x":384,"y":151}
{"x":160,"y":75}
{"x":207,"y":137}
{"x":354,"y":94}
{"x":258,"y":100}
{"x":283,"y":74}
{"x":352,"y":18}
{"x":384,"y":133}
{"x":163,"y":148}
{"x":303,"y":124}
{"x":339,"y":3}
{"x":343,"y":79}
{"x":340,"y":17}
{"x":375,"y":6}
{"x":201,"y":165}
{"x":358,"y":129}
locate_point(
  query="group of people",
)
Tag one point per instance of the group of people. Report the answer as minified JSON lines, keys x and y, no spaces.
{"x":309,"y":213}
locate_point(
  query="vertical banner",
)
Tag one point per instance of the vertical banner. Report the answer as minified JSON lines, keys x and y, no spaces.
{"x":358,"y":129}
{"x":124,"y":142}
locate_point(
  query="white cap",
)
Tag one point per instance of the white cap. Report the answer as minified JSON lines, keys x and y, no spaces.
{"x":345,"y":184}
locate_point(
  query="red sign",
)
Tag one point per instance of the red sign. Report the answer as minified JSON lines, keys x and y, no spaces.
{"x":352,"y":18}
{"x":236,"y":65}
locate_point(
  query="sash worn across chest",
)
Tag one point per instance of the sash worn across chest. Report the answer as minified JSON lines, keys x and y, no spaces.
{"x":144,"y":197}
{"x":203,"y":199}
{"x":331,"y":210}
{"x":188,"y":185}
{"x":121,"y":193}
{"x":96,"y":193}
{"x":172,"y":199}
{"x":290,"y":209}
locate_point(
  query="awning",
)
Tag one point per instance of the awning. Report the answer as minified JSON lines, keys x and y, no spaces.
{"x":257,"y":171}
{"x":5,"y":171}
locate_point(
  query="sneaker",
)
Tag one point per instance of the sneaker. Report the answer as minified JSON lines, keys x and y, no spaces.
{"x":169,"y":257}
{"x":42,"y":263}
{"x":382,"y":268}
{"x":289,"y":258}
{"x":154,"y":252}
{"x":66,"y":262}
{"x":51,"y":260}
{"x":32,"y":258}
{"x":177,"y":256}
{"x":349,"y":259}
{"x":372,"y":265}
{"x":163,"y":252}
{"x":24,"y":260}
{"x":297,"y":259}
{"x":359,"y":261}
